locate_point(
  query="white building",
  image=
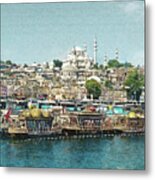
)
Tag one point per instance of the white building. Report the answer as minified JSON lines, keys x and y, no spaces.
{"x":76,"y":65}
{"x":78,"y":58}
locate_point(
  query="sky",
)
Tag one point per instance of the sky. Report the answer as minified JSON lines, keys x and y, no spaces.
{"x":46,"y":31}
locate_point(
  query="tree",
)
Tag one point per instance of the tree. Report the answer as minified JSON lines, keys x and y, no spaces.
{"x":8,"y":62}
{"x":101,"y":66}
{"x":135,"y":83}
{"x":109,"y":84}
{"x":93,"y":87}
{"x":113,"y":63}
{"x":25,"y":66}
{"x":96,"y":66}
{"x":127,"y":65}
{"x":57,"y":63}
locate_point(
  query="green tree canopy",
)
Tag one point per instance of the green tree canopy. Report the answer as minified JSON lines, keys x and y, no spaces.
{"x":109,"y":84}
{"x":96,"y":66}
{"x":93,"y":87}
{"x":135,"y":83}
{"x":8,"y":62}
{"x":25,"y":65}
{"x":57,"y":63}
{"x":101,"y":66}
{"x":113,"y":63}
{"x":127,"y":65}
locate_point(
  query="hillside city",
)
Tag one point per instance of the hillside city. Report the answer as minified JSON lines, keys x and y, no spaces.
{"x":77,"y":77}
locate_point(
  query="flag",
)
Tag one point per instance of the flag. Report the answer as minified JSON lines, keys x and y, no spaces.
{"x":7,"y":115}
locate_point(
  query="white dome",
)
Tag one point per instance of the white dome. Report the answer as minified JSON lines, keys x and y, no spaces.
{"x":77,"y":48}
{"x":96,"y":78}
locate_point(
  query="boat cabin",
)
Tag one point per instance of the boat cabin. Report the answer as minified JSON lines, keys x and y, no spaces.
{"x":39,"y":125}
{"x":90,"y":121}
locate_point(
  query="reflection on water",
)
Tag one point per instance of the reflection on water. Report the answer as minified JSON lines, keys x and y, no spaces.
{"x":103,"y":153}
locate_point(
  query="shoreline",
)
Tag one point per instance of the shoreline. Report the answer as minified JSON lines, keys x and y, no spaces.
{"x":71,"y":135}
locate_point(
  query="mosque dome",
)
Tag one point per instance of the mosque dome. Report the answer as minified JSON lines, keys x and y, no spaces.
{"x":96,"y":78}
{"x":77,"y":49}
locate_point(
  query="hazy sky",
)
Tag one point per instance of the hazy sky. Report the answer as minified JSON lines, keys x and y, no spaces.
{"x":42,"y":32}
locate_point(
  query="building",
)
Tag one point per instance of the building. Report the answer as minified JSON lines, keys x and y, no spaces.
{"x":78,"y":58}
{"x":3,"y":90}
{"x":77,"y":65}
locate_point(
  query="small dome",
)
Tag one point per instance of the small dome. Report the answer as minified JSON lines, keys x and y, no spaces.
{"x":96,"y":78}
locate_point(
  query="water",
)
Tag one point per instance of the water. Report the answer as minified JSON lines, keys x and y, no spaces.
{"x":99,"y":153}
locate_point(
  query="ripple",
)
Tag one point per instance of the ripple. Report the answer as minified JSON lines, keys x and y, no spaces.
{"x":100,"y":153}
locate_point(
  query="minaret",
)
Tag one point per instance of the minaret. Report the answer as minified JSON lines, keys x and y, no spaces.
{"x":95,"y":50}
{"x":117,"y":54}
{"x":74,"y":50}
{"x":105,"y":60}
{"x":85,"y":47}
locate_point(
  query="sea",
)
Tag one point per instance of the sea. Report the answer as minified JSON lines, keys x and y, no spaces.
{"x":91,"y":153}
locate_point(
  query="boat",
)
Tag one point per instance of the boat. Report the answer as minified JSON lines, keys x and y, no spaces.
{"x":54,"y":122}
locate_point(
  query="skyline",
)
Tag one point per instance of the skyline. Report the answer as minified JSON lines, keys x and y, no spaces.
{"x":38,"y":32}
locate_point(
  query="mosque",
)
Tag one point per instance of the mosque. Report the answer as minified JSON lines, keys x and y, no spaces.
{"x":78,"y":64}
